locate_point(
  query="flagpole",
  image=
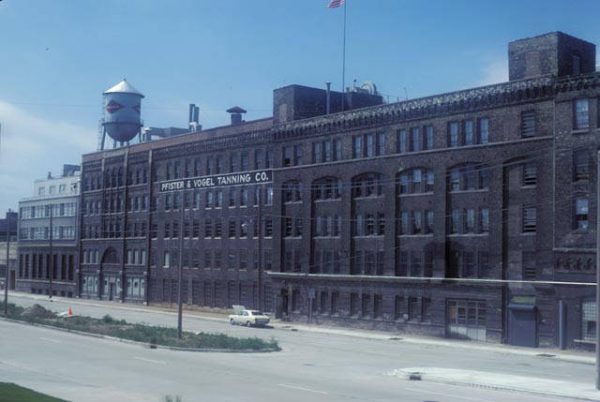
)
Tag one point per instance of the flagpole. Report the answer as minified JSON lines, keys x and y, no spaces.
{"x":344,"y":61}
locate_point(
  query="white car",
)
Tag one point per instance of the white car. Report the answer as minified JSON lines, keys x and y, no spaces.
{"x":249,"y":318}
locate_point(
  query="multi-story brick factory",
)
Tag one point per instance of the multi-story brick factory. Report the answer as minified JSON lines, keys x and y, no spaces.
{"x":464,"y":214}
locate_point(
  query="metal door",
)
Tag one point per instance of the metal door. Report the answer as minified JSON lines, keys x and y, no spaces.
{"x":522,"y":326}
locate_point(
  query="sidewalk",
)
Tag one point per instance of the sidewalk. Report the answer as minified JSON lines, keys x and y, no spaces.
{"x":500,"y":381}
{"x":546,"y":353}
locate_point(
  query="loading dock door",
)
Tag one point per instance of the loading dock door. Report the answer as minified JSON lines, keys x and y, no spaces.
{"x":522,"y":325}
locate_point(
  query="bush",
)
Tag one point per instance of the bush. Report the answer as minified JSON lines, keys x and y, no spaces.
{"x":152,"y":335}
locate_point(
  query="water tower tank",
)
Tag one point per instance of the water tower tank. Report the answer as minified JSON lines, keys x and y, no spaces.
{"x":122,"y":106}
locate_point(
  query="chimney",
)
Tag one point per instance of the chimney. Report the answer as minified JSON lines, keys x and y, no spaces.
{"x":193,"y":120}
{"x":236,"y":115}
{"x":328,"y":98}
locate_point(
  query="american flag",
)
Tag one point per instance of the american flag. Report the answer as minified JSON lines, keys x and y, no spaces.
{"x":335,"y":3}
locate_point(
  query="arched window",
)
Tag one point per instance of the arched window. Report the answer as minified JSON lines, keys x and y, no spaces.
{"x":367,"y":185}
{"x":416,"y":180}
{"x":327,"y":188}
{"x":110,"y":256}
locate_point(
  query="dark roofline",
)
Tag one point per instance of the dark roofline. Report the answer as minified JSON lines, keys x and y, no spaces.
{"x":553,"y":33}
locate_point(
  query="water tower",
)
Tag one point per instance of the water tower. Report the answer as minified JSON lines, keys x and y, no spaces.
{"x":122,"y":107}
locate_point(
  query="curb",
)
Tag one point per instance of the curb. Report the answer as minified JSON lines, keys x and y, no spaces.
{"x":298,"y":326}
{"x":440,"y":380}
{"x":143,"y":344}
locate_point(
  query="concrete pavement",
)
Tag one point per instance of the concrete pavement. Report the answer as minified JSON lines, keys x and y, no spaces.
{"x":316,"y":364}
{"x":548,"y":353}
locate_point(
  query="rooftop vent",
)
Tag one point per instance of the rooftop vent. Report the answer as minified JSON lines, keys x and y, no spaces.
{"x":236,"y":115}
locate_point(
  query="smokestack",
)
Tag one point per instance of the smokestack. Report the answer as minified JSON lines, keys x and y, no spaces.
{"x":236,"y":115}
{"x":193,"y":118}
{"x":328,"y":101}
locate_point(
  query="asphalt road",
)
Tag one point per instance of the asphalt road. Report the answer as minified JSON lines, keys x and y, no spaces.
{"x":312,"y":366}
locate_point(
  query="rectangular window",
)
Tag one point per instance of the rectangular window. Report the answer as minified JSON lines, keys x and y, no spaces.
{"x":581,"y":111}
{"x":417,"y":222}
{"x":470,"y":220}
{"x":404,"y":223}
{"x":357,"y":147}
{"x":402,"y":141}
{"x":233,"y":162}
{"x":582,"y":213}
{"x":415,"y":139}
{"x":402,"y":269}
{"x":268,"y":159}
{"x":337,"y":149}
{"x":528,"y":123}
{"x":469,"y":134}
{"x":455,"y":221}
{"x":416,"y":263}
{"x":335,"y":296}
{"x":484,"y":130}
{"x":317,"y":152}
{"x":469,"y":261}
{"x":428,"y":137}
{"x":244,"y":161}
{"x":529,"y":219}
{"x":298,"y":154}
{"x":258,"y":159}
{"x":380,"y":143}
{"x":581,"y":165}
{"x":207,"y":259}
{"x":353,"y":304}
{"x":426,"y":309}
{"x":588,"y":320}
{"x":369,"y":145}
{"x":484,"y":220}
{"x":366,"y":305}
{"x":328,"y":157}
{"x":413,"y":308}
{"x":454,"y":180}
{"x":398,"y":308}
{"x":453,"y":133}
{"x":287,"y":156}
{"x":428,"y":228}
{"x":529,"y":176}
{"x":287,"y":228}
{"x":232,"y":228}
{"x":377,"y":304}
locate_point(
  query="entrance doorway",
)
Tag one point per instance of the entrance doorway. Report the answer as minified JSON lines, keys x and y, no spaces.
{"x":522,"y":328}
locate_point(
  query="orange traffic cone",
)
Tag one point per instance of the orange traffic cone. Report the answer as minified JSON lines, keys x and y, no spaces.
{"x":70,"y":312}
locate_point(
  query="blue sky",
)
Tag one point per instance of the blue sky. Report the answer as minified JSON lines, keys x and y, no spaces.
{"x":58,"y":56}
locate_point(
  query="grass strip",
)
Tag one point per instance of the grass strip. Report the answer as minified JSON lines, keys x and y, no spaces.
{"x":13,"y":393}
{"x":153,"y":335}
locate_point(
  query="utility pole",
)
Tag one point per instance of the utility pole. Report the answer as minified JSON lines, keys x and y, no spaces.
{"x":51,"y":259}
{"x":180,"y":271}
{"x":261,"y":306}
{"x":597,"y":272}
{"x":7,"y":265}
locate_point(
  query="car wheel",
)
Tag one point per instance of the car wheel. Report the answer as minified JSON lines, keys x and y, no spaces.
{"x":247,"y":323}
{"x":231,"y":321}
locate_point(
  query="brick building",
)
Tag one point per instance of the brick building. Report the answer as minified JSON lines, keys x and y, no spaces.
{"x":48,"y":235}
{"x":464,"y":214}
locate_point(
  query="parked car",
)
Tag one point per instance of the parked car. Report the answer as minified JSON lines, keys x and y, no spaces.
{"x":248,"y":318}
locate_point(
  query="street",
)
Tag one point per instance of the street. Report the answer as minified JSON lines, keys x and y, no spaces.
{"x":313,"y":366}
